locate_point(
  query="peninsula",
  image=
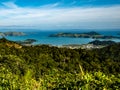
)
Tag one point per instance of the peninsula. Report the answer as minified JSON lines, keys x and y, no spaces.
{"x":91,"y":34}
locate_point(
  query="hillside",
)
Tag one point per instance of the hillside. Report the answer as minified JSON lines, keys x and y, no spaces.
{"x":44,"y":67}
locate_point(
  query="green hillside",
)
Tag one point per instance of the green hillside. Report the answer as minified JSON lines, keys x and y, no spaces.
{"x":51,"y":68}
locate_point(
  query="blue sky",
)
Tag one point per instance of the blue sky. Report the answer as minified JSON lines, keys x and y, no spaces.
{"x":60,"y":14}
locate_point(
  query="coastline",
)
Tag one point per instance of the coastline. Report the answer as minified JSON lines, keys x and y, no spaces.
{"x":43,"y":39}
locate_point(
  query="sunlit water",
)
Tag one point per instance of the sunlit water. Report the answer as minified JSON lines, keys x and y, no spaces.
{"x":42,"y":37}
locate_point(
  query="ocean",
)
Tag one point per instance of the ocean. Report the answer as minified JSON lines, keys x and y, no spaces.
{"x":42,"y":36}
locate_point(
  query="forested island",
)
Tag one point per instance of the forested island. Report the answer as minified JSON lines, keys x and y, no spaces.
{"x":91,"y":34}
{"x":26,"y":42}
{"x":43,"y":67}
{"x":98,"y":42}
{"x":12,"y":34}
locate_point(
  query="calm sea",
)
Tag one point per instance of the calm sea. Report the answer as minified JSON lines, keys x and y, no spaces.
{"x":42,"y":37}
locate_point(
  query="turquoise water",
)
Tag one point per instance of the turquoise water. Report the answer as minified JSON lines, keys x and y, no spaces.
{"x":42,"y":37}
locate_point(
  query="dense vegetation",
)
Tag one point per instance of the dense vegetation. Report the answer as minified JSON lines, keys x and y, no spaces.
{"x":51,"y":68}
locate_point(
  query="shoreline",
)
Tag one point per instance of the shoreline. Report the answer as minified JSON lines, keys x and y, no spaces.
{"x":73,"y":46}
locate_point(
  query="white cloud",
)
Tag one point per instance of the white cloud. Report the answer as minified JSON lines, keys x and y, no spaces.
{"x":101,"y":17}
{"x":53,"y":5}
{"x":10,"y":4}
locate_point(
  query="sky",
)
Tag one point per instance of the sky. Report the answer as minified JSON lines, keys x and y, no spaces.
{"x":60,"y":14}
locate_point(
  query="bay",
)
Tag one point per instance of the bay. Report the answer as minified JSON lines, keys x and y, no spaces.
{"x":42,"y":36}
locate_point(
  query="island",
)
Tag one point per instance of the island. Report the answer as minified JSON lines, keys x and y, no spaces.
{"x":3,"y":34}
{"x":26,"y":42}
{"x":91,"y":34}
{"x":105,"y":43}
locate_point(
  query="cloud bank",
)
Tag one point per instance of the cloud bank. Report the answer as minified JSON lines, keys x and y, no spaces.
{"x":49,"y":17}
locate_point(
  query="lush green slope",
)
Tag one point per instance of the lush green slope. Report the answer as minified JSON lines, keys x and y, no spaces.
{"x":44,"y":67}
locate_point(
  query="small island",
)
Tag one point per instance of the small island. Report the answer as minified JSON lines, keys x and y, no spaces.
{"x":3,"y":34}
{"x":27,"y":41}
{"x":91,"y":34}
{"x":104,"y":43}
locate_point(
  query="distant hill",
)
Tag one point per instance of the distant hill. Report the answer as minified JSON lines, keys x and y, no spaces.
{"x":5,"y":42}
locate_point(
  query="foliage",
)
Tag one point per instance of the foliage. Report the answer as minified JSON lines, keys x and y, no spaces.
{"x":58,"y":79}
{"x":51,"y":68}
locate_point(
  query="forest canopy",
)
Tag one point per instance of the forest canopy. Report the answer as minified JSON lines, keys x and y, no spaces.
{"x":44,"y":67}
